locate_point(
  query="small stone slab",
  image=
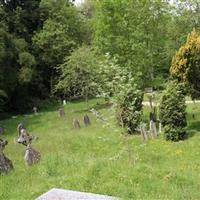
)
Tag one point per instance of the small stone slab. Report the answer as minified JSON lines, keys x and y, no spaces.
{"x":61,"y":194}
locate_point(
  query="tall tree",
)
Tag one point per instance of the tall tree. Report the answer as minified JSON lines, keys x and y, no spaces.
{"x":61,"y":33}
{"x":134,"y":33}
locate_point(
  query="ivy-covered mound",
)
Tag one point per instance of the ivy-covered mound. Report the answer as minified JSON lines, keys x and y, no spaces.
{"x":173,"y":112}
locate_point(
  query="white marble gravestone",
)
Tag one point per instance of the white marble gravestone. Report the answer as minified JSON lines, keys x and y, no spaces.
{"x":61,"y":194}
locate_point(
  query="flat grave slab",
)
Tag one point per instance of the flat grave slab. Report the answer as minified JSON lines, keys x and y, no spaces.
{"x":61,"y":194}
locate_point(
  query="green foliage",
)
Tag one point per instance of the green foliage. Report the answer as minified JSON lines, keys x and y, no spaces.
{"x":173,"y":112}
{"x":185,"y":65}
{"x":79,"y":74}
{"x":27,"y":61}
{"x":62,"y":32}
{"x":128,"y":101}
{"x":22,"y":17}
{"x":121,"y":28}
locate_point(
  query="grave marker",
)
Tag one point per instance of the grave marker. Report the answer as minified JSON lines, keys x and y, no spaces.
{"x":76,"y":124}
{"x":61,"y":112}
{"x":86,"y":120}
{"x":5,"y":164}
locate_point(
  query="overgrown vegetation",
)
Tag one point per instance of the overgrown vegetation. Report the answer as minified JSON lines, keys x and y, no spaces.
{"x":128,"y":103}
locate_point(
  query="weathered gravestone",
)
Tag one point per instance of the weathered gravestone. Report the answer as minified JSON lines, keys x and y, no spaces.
{"x":5,"y":164}
{"x":31,"y":155}
{"x":86,"y":120}
{"x":61,"y":112}
{"x":76,"y":124}
{"x":61,"y":194}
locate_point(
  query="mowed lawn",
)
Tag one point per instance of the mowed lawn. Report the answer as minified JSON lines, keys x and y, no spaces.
{"x":100,"y":159}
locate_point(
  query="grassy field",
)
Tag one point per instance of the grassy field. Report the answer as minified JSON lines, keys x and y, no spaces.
{"x":100,"y":159}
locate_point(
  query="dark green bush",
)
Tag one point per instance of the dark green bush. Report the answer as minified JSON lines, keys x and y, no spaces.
{"x":173,"y":112}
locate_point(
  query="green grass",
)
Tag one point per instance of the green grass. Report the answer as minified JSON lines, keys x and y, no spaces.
{"x":100,"y":159}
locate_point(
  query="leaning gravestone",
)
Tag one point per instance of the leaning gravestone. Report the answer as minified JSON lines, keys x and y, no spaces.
{"x":61,"y":194}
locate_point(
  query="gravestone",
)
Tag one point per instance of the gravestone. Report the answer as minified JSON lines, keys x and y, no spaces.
{"x":61,"y":194}
{"x":20,"y":126}
{"x":76,"y":124}
{"x":31,"y":156}
{"x":61,"y":112}
{"x":86,"y":120}
{"x":5,"y":164}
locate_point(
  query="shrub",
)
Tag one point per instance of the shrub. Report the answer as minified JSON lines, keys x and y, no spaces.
{"x":129,"y":105}
{"x":173,"y":112}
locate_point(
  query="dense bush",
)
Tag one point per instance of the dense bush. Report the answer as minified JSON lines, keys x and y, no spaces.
{"x":128,"y":101}
{"x":173,"y":112}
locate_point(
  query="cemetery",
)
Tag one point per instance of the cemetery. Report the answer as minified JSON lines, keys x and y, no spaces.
{"x":100,"y":158}
{"x":99,"y":100}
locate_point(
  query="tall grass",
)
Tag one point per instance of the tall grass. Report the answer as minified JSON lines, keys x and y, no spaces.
{"x":101,"y":159}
